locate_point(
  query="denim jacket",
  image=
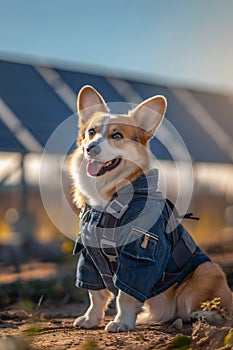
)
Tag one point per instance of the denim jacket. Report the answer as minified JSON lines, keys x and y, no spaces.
{"x":135,"y":244}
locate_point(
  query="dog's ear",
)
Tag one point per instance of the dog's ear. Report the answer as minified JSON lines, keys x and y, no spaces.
{"x":89,"y":101}
{"x":149,"y":114}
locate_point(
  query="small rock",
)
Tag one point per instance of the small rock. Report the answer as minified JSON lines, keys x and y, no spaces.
{"x":178,"y":324}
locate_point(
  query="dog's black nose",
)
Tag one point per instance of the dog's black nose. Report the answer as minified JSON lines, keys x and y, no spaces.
{"x":93,"y":149}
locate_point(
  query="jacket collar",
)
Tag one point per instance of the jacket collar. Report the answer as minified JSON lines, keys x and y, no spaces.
{"x":145,"y":185}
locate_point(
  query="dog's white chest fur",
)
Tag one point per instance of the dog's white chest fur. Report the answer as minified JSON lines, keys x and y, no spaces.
{"x":92,"y":188}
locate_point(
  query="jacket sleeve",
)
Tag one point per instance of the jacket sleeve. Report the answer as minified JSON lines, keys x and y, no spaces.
{"x":88,"y":276}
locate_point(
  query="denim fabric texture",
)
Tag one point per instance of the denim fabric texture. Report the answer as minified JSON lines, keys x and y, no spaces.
{"x":134,"y":252}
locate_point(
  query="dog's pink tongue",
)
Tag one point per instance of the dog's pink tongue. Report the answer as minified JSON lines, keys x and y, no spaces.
{"x":93,"y":167}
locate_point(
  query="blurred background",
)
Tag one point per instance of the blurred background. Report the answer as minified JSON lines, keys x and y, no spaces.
{"x":129,"y":51}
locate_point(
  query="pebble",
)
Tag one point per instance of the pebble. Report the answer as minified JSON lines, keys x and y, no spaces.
{"x":178,"y":324}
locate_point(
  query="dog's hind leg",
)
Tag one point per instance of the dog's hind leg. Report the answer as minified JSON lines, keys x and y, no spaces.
{"x":159,"y":309}
{"x":204,"y":284}
{"x":95,"y":313}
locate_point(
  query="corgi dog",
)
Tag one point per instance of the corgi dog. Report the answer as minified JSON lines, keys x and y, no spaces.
{"x":153,"y":279}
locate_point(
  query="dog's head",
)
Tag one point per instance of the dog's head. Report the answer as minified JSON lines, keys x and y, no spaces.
{"x":114,"y":147}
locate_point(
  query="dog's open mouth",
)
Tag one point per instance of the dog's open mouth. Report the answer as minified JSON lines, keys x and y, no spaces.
{"x":95,"y":168}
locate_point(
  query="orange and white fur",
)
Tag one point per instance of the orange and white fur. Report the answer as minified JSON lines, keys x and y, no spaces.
{"x":123,"y":154}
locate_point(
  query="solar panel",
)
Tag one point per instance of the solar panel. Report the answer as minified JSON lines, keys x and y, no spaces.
{"x":39,"y":106}
{"x":31,"y":99}
{"x":200,"y":145}
{"x":77,"y":80}
{"x":8,"y":142}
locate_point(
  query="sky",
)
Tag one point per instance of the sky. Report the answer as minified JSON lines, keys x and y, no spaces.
{"x":178,"y":42}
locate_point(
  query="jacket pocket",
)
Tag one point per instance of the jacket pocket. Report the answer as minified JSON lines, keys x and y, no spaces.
{"x":141,"y":244}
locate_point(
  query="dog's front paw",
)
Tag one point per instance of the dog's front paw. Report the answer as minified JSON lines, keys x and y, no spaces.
{"x":86,"y":322}
{"x":114,"y":326}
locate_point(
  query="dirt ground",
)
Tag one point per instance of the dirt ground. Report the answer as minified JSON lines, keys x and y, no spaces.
{"x":53,"y":329}
{"x":59,"y":333}
{"x":48,"y":323}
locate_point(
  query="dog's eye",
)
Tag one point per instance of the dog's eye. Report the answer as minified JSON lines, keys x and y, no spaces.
{"x":91,"y":132}
{"x":117,"y":136}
